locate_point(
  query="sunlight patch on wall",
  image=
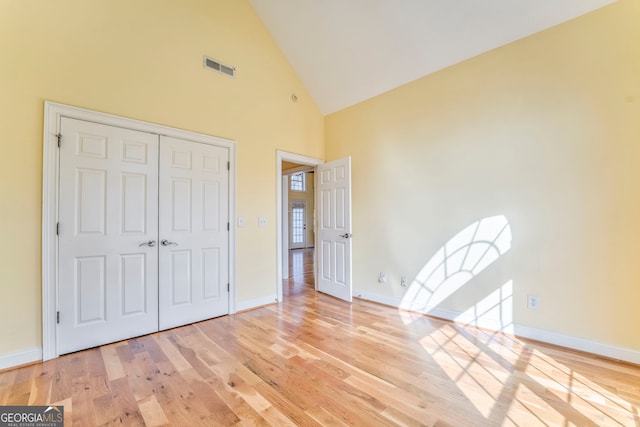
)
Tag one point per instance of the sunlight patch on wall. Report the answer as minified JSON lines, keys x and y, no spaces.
{"x":495,"y":311}
{"x":464,"y":256}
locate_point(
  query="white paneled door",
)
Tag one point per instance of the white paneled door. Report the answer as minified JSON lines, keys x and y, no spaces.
{"x":108,"y":259}
{"x":143,"y":234}
{"x":194,"y":235}
{"x":333,"y":192}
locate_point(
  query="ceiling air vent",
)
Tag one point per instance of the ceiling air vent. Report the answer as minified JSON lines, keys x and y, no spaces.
{"x":214,"y":65}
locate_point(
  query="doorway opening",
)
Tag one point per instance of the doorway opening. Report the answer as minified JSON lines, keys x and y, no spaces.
{"x":295,"y":220}
{"x":332,"y":224}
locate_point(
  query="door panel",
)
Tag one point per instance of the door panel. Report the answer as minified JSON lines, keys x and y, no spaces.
{"x":193,"y":223}
{"x":133,"y":271}
{"x":107,"y":285}
{"x":334,"y":230}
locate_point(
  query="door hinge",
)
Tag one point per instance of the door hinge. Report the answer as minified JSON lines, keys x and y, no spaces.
{"x":228,"y":166}
{"x":57,"y":228}
{"x":228,"y":226}
{"x":228,"y":287}
{"x":57,"y":317}
{"x":59,"y":136}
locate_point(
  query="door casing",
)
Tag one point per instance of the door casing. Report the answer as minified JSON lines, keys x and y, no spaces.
{"x":53,"y":112}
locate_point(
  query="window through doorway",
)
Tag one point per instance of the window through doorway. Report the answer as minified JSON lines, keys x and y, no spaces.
{"x":298,"y":224}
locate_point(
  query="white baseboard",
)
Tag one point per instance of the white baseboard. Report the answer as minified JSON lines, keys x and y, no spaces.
{"x":20,"y":358}
{"x":576,"y":343}
{"x":382,"y":299}
{"x":258,"y":302}
{"x":550,"y":337}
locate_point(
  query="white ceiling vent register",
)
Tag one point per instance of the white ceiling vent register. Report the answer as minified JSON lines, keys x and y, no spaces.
{"x":218,"y":66}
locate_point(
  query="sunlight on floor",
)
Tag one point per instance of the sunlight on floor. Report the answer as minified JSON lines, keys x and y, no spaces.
{"x":511,"y":384}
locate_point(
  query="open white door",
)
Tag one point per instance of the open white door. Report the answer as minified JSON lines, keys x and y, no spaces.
{"x":333,"y":190}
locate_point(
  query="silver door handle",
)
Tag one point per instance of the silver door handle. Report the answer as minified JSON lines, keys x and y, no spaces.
{"x":150,"y":243}
{"x":346,"y":235}
{"x":165,"y":242}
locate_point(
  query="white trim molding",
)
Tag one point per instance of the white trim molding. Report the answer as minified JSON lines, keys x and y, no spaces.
{"x":575,"y":343}
{"x":280,"y":245}
{"x":11,"y":360}
{"x":53,"y":113}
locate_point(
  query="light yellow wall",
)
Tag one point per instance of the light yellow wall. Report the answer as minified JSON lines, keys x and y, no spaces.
{"x":545,"y":131}
{"x":142,"y":59}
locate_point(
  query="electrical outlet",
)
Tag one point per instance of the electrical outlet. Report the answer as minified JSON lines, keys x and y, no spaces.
{"x":382,"y":278}
{"x":240,"y":221}
{"x":262,"y":221}
{"x":533,"y":302}
{"x":403,"y":281}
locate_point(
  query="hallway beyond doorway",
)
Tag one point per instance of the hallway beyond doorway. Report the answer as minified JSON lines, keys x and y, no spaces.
{"x":300,"y":275}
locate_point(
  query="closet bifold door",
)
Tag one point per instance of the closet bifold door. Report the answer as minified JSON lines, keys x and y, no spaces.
{"x":193,"y":232}
{"x":108,"y":242}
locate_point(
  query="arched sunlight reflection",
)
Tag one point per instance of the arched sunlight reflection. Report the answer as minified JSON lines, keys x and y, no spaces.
{"x":506,"y":380}
{"x":464,"y":256}
{"x":495,"y":311}
{"x":511,"y":382}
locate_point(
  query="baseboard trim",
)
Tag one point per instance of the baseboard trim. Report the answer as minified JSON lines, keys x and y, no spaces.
{"x":381,"y":299}
{"x":255,"y":303}
{"x":575,"y":343}
{"x":12,"y":360}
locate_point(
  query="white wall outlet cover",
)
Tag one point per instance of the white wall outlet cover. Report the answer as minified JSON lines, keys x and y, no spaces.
{"x":240,"y":221}
{"x":382,"y":278}
{"x":262,"y":221}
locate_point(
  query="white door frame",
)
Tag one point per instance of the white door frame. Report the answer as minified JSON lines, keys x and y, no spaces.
{"x":282,"y":249}
{"x":285,"y":225}
{"x":50,"y":189}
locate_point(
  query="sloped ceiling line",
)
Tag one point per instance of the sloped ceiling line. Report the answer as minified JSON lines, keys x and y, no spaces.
{"x":347,"y":51}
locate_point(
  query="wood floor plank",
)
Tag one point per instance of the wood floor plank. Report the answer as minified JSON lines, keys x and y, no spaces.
{"x":152,"y":412}
{"x":313,"y":360}
{"x":112,"y":363}
{"x":42,"y":383}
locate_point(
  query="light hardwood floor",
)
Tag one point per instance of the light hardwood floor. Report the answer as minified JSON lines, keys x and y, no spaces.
{"x":314,"y":360}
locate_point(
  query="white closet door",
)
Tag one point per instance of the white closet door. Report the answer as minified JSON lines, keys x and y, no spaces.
{"x":193,"y":232}
{"x":108,"y":223}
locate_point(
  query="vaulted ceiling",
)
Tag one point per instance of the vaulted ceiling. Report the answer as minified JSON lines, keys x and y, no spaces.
{"x":346,"y":51}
